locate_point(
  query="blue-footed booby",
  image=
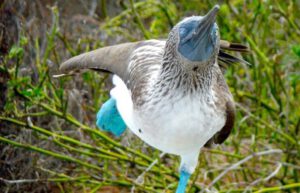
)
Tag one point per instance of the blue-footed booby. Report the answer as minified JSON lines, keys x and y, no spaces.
{"x":170,"y":93}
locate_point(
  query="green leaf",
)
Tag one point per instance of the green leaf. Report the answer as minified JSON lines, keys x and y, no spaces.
{"x":296,"y":50}
{"x":23,"y":41}
{"x":16,"y":52}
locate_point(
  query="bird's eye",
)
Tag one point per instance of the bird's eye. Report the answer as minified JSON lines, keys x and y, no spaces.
{"x":182,"y":32}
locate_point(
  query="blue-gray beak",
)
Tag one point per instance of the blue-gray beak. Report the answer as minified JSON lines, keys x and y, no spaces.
{"x":207,"y":22}
{"x":199,"y":44}
{"x":205,"y":26}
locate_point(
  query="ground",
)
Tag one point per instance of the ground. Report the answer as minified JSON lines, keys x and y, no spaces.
{"x":48,"y":138}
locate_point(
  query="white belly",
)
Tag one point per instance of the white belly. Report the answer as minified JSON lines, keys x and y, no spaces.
{"x":177,"y":128}
{"x":180,"y":128}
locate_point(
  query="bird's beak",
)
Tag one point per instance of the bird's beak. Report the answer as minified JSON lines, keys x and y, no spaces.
{"x":207,"y":22}
{"x":200,"y":44}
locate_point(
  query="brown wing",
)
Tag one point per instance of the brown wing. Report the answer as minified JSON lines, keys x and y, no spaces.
{"x":114,"y":59}
{"x":223,"y":134}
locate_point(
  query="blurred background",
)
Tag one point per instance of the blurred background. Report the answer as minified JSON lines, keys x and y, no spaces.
{"x":48,"y":138}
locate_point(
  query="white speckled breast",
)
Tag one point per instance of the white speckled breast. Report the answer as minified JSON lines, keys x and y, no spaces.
{"x":178,"y":126}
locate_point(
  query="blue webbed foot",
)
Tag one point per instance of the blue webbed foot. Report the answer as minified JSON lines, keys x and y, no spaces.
{"x":183,"y":180}
{"x":109,"y":118}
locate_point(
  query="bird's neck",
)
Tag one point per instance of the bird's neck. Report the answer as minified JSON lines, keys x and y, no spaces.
{"x":180,"y":74}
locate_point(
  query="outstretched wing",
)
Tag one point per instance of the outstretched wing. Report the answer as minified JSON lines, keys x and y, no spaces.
{"x":114,"y":59}
{"x":129,"y":60}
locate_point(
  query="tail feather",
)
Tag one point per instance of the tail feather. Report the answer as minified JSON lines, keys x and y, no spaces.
{"x":230,"y":59}
{"x":226,"y":59}
{"x":225,"y":45}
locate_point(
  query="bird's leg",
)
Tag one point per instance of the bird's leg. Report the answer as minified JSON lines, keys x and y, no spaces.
{"x":187,"y":167}
{"x":184,"y":178}
{"x":109,"y":118}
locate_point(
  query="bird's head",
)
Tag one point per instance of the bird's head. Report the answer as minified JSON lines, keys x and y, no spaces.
{"x":197,"y":37}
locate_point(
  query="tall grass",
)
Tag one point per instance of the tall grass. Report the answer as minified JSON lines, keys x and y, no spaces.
{"x":55,"y":117}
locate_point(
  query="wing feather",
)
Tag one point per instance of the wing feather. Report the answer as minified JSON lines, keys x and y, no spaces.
{"x":223,"y":134}
{"x":114,"y":59}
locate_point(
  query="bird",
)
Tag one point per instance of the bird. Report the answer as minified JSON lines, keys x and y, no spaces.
{"x":170,"y":93}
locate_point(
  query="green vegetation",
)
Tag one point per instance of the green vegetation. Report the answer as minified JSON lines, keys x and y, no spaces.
{"x":47,"y":125}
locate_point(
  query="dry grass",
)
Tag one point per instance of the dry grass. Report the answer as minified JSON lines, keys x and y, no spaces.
{"x":48,"y":139}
